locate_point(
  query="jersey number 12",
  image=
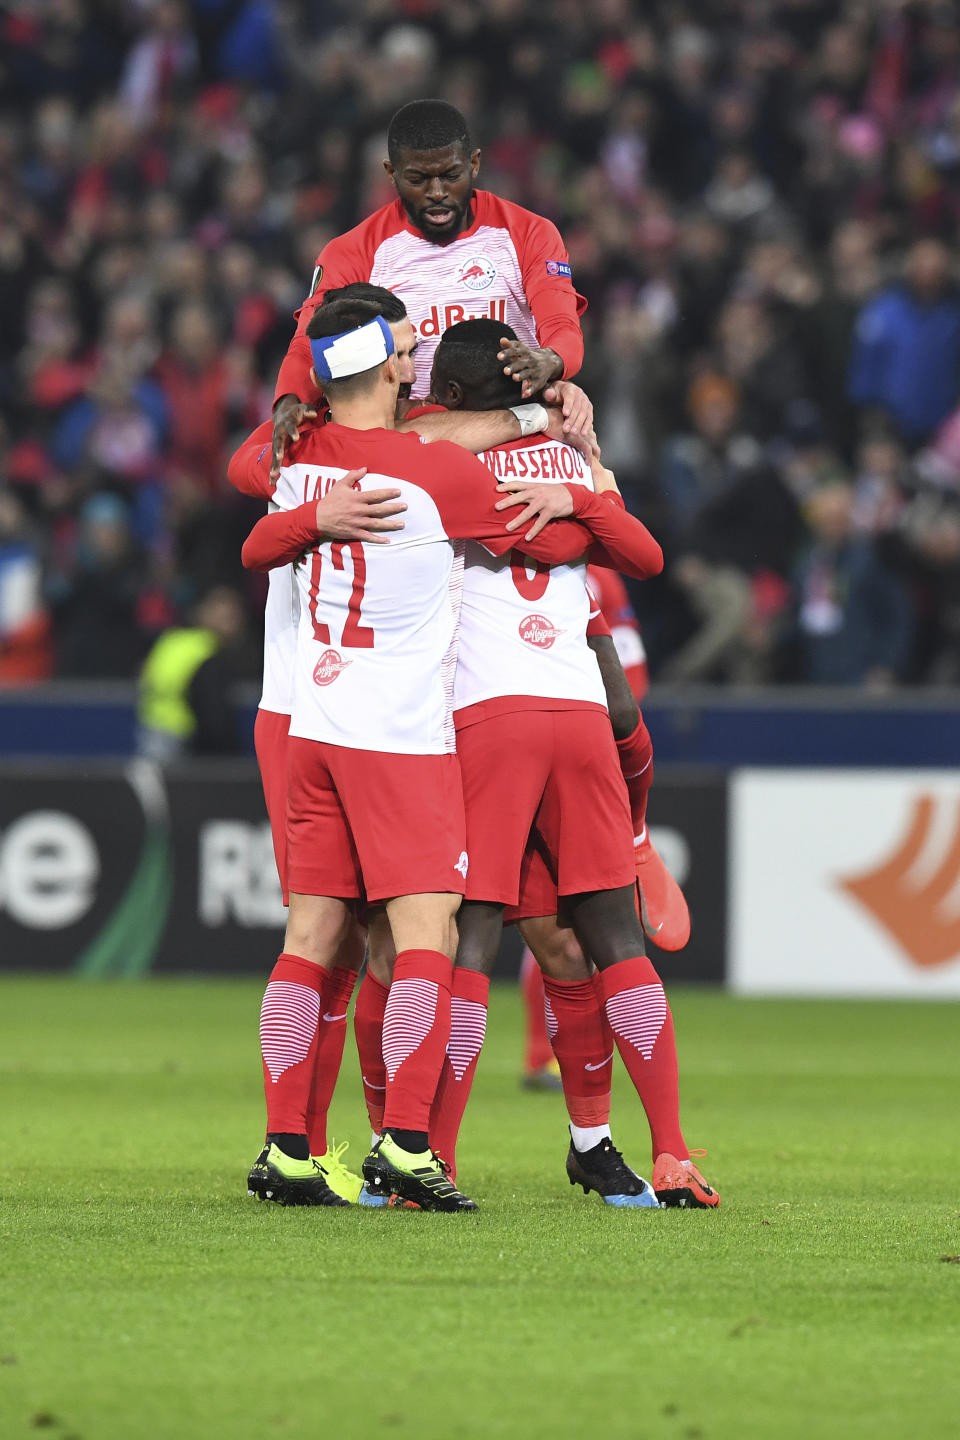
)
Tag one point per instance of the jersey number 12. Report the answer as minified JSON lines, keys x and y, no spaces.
{"x":355,"y":635}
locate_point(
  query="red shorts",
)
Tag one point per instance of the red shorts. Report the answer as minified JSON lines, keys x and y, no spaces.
{"x":538,"y":889}
{"x":551,"y":775}
{"x":364,"y":823}
{"x":270,"y":732}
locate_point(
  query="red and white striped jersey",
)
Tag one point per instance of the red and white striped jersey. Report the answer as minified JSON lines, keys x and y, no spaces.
{"x":376,"y":640}
{"x":508,"y":265}
{"x":522,"y":622}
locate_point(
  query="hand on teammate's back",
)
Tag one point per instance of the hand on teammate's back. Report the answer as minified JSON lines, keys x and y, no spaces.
{"x":532,"y":369}
{"x":346,"y":513}
{"x":544,"y":502}
{"x":289,"y":413}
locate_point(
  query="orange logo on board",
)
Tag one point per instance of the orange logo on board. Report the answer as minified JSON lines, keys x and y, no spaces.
{"x":913,"y":912}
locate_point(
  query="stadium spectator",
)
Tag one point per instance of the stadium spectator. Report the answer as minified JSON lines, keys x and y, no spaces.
{"x":25,"y":652}
{"x":186,"y":705}
{"x":95,"y":600}
{"x":852,"y":616}
{"x":906,"y":354}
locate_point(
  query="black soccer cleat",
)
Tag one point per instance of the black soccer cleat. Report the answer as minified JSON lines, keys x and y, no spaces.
{"x":419,"y":1179}
{"x":278,"y":1177}
{"x":604,"y":1170}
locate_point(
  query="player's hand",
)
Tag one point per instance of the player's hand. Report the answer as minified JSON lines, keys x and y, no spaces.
{"x":603,"y":479}
{"x":288,"y":415}
{"x":345,"y":513}
{"x":587,"y":444}
{"x":576,"y":405}
{"x":543,"y":504}
{"x":532,"y":369}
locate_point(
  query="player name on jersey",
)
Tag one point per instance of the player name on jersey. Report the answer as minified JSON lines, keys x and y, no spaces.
{"x":552,"y":461}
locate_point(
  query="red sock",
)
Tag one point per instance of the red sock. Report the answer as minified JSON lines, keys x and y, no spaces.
{"x":288,"y":1041}
{"x":538,"y":1051}
{"x":416,"y":1031}
{"x":331,"y":1033}
{"x":468,"y":1027}
{"x":368,"y":1028}
{"x":636,"y":762}
{"x":643,"y":1028}
{"x":575,"y":1026}
{"x":608,"y":1041}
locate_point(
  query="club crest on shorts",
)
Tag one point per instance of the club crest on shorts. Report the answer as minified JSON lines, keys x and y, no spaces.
{"x":477,"y":273}
{"x":462,"y":864}
{"x":328,"y":667}
{"x":536,"y":630}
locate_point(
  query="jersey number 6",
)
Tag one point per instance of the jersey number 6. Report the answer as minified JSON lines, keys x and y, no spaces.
{"x":531,"y":587}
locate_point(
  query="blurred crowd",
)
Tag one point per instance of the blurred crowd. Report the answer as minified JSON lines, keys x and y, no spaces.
{"x":761,"y":203}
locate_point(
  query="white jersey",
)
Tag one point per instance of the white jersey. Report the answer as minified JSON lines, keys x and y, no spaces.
{"x":376,"y":639}
{"x":523,"y":623}
{"x":281,"y":616}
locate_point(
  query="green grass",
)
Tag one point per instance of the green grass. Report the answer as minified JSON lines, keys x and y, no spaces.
{"x":143,"y":1295}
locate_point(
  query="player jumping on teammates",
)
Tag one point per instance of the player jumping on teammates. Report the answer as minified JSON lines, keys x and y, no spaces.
{"x":452,"y":253}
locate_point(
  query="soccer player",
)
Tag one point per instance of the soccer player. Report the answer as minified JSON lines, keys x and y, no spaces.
{"x":452,"y":253}
{"x":527,"y":684}
{"x":344,"y":513}
{"x":371,"y":736}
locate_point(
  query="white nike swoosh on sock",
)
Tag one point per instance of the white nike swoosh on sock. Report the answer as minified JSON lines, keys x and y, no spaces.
{"x":370,"y":1085}
{"x":602,"y":1062}
{"x":336,"y":1017}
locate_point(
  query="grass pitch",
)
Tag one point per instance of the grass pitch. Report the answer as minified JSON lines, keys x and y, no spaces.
{"x":145,"y":1297}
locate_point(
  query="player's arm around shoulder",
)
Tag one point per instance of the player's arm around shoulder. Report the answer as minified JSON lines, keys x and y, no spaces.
{"x":467,"y":499}
{"x":344,"y":512}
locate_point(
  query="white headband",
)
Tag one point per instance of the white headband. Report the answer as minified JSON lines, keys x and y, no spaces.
{"x":337,"y":356}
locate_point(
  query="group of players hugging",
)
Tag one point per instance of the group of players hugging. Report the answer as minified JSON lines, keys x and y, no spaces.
{"x":446,"y":737}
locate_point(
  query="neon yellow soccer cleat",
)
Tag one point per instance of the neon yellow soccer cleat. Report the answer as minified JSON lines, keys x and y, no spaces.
{"x":342,"y":1181}
{"x":278,"y":1177}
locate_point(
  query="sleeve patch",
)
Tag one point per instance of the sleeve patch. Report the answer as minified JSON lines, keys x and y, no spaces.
{"x":559,"y":267}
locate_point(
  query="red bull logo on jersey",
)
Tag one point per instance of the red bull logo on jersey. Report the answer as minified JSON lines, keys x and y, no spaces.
{"x":477,"y":273}
{"x":536,"y":630}
{"x":328,"y":667}
{"x":440,"y":317}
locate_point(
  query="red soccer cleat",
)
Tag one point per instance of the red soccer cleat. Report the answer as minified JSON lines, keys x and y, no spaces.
{"x":663,"y":910}
{"x":679,"y":1183}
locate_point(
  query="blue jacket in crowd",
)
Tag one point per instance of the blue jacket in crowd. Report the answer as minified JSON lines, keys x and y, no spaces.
{"x":906,"y":359}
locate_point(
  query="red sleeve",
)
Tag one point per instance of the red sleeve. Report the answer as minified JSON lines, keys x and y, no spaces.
{"x":341,"y":261}
{"x":597,"y":624}
{"x":465,"y":493}
{"x":548,"y":286}
{"x":249,"y":468}
{"x":622,"y":542}
{"x":281,"y":537}
{"x":416,"y":411}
